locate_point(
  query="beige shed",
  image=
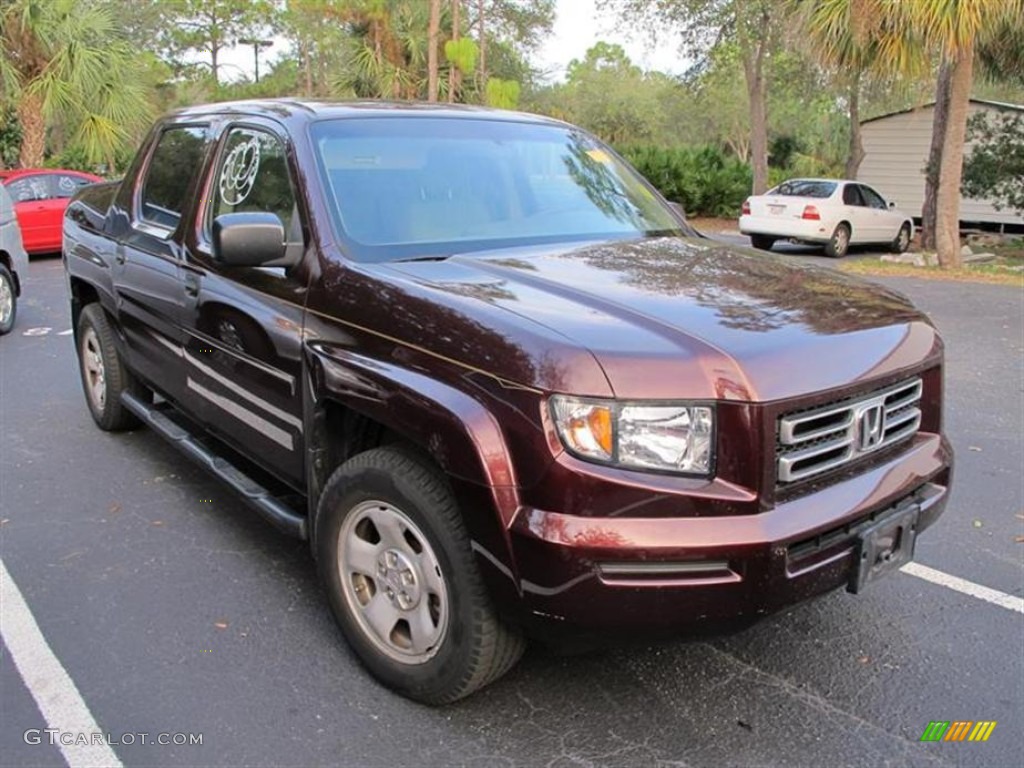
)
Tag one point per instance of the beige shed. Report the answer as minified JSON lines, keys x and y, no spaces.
{"x":896,"y":153}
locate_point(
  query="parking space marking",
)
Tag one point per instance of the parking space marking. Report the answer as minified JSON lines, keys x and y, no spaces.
{"x":54,"y":691}
{"x":989,"y":595}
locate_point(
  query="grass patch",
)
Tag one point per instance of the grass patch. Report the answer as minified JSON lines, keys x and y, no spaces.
{"x":996,"y":273}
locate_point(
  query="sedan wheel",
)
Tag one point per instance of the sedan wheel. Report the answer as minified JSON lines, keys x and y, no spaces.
{"x":902,"y":241}
{"x":8,"y":301}
{"x":839,"y":243}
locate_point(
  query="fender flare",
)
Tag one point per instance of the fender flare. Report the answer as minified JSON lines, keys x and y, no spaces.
{"x":456,"y":430}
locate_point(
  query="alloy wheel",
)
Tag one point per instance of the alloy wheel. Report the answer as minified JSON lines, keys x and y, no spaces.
{"x":95,"y":371}
{"x":6,"y":302}
{"x":392,"y":582}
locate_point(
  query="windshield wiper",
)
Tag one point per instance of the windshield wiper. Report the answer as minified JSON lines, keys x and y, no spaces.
{"x":420,"y":258}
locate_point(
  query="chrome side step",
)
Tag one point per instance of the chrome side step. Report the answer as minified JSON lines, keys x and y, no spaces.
{"x":274,"y":510}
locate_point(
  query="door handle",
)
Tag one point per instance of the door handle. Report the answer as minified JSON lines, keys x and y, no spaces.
{"x":191,"y":284}
{"x":119,"y":256}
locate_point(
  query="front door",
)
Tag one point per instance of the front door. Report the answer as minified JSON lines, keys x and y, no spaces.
{"x":34,"y":202}
{"x":243,"y":349}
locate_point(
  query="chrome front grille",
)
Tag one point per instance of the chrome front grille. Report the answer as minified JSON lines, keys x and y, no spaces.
{"x":821,"y":439}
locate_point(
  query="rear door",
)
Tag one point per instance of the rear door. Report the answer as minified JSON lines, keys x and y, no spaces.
{"x":146,"y":273}
{"x":856,"y":211}
{"x":243,"y":325}
{"x":885,"y":224}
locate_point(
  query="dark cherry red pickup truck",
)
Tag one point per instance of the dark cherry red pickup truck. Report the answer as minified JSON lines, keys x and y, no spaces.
{"x":499,"y":384}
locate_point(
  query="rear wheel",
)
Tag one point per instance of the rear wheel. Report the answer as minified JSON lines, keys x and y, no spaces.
{"x":902,"y":241}
{"x":8,"y":301}
{"x":839,"y":243}
{"x":762,"y":242}
{"x":402,"y":581}
{"x":104,"y":375}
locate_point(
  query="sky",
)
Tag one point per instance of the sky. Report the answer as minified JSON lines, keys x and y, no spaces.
{"x":578,"y":25}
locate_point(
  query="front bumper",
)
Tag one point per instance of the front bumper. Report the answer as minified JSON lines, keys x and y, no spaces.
{"x":611,"y":573}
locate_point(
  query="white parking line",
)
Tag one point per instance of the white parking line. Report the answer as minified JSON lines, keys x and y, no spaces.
{"x":989,"y":595}
{"x":55,"y":693}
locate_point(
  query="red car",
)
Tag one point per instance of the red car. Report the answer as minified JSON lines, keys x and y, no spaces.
{"x":40,"y":196}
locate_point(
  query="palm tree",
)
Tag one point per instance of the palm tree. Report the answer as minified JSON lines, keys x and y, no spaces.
{"x":67,"y":61}
{"x":837,"y":35}
{"x":952,"y":29}
{"x":391,"y":48}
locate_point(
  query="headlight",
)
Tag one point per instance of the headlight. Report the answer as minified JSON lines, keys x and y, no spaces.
{"x":674,"y":437}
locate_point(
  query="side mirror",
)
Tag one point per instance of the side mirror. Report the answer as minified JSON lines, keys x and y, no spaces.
{"x":892,"y":204}
{"x":248,"y":240}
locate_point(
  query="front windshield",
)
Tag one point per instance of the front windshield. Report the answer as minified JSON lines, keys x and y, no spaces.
{"x":408,"y":187}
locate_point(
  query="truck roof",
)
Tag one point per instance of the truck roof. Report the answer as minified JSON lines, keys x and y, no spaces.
{"x":308,"y":110}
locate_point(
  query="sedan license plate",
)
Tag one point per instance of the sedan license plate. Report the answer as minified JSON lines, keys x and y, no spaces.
{"x":777,"y":210}
{"x":884,"y":546}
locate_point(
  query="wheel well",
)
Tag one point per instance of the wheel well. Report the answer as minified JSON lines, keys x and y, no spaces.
{"x":849,"y":226}
{"x":344,"y":434}
{"x":82,"y":294}
{"x":338,"y":434}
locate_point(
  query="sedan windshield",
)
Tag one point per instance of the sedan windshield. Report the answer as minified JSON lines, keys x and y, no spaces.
{"x":420,"y":187}
{"x":805,"y":188}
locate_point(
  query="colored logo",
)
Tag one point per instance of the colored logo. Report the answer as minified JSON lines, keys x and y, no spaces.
{"x":958,"y":730}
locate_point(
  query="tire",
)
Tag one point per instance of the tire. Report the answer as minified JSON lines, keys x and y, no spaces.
{"x":104,"y":375}
{"x":460,"y":644}
{"x":762,"y":242}
{"x":8,"y":301}
{"x":839,"y":244}
{"x":902,"y":241}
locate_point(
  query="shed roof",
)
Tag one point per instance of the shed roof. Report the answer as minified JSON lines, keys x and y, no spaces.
{"x":986,"y":102}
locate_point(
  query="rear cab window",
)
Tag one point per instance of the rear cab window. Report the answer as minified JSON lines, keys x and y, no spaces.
{"x":164,"y":192}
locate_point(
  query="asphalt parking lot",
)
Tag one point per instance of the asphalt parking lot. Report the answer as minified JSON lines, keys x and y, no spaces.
{"x":174,"y":610}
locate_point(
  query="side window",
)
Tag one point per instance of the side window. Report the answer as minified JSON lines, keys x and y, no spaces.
{"x":68,"y":184}
{"x":873,"y":198}
{"x":177,"y":157}
{"x":29,"y":189}
{"x":851,"y":195}
{"x":253,"y":176}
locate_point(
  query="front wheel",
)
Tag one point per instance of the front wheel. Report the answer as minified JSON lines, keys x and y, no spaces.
{"x":762,"y":242}
{"x":402,"y":582}
{"x":839,"y":243}
{"x":902,"y":241}
{"x":8,"y":301}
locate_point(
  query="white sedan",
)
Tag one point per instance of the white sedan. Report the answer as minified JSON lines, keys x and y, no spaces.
{"x":835,"y":213}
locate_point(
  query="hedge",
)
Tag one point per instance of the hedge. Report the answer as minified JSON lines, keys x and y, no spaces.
{"x":704,"y":180}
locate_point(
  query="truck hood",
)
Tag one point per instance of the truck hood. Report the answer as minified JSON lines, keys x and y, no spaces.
{"x":686,"y":318}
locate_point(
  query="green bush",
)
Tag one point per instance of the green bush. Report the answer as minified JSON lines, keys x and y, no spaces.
{"x":704,"y":180}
